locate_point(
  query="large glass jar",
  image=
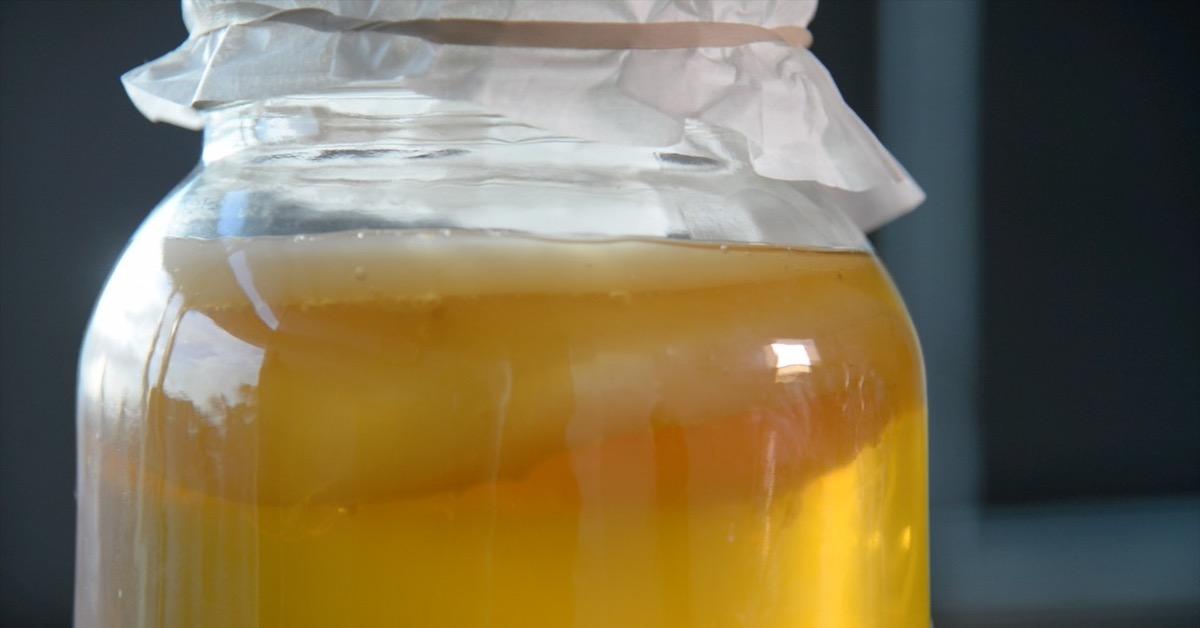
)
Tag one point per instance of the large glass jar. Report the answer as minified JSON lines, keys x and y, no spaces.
{"x":503,"y":323}
{"x":440,"y":368}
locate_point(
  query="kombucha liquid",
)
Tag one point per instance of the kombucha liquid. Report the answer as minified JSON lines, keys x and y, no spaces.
{"x":427,"y":430}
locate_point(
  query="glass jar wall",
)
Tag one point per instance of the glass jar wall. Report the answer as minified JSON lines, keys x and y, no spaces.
{"x":440,"y":368}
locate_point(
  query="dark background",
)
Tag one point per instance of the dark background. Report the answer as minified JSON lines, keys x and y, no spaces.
{"x":1083,"y":409}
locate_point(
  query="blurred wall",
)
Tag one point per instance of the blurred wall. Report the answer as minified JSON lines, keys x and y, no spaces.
{"x":79,"y":169}
{"x":1091,"y":225}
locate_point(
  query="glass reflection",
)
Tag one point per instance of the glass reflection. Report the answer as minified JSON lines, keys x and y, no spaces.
{"x":792,"y":358}
{"x":211,"y":368}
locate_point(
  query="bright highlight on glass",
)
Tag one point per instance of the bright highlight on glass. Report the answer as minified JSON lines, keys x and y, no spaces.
{"x":791,"y":358}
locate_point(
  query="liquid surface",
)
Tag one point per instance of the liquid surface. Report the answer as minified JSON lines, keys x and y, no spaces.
{"x":424,"y":430}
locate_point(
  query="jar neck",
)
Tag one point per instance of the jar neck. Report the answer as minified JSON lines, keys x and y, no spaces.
{"x":413,"y":127}
{"x":403,"y":161}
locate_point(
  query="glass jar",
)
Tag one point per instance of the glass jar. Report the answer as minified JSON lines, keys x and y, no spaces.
{"x":437,"y":367}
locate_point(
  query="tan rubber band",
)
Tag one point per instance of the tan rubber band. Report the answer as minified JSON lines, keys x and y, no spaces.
{"x":577,"y":35}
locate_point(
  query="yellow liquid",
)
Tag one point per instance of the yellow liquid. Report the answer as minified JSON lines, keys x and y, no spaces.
{"x":472,"y":431}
